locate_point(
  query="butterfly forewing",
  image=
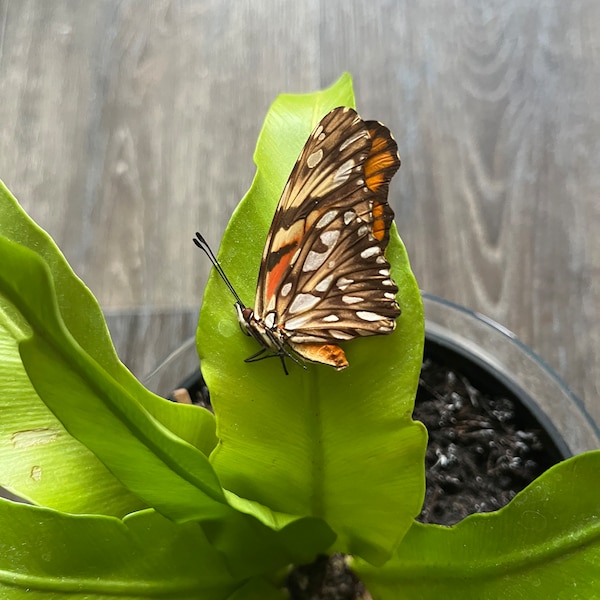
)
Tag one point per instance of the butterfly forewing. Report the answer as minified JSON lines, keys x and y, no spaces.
{"x":324,"y":277}
{"x":321,"y":176}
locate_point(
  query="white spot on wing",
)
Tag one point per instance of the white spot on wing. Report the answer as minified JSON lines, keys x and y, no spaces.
{"x":347,"y":142}
{"x":329,"y":238}
{"x":363,"y":230}
{"x":340,"y":335}
{"x":324,"y":284}
{"x":352,"y":299}
{"x":327,"y":218}
{"x":270,"y":320}
{"x":368,"y":252}
{"x":296,"y":322}
{"x":314,"y":159}
{"x":384,"y":272}
{"x":343,"y":172}
{"x":286,"y":289}
{"x":343,"y":282}
{"x":348,"y":216}
{"x":315,"y":259}
{"x":366,"y":315}
{"x":331,"y":318}
{"x":303,"y":302}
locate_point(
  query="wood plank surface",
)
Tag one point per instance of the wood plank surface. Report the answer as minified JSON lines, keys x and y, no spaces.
{"x":127,"y":125}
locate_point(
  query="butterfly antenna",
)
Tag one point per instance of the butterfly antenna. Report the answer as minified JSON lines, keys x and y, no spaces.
{"x":203,"y":245}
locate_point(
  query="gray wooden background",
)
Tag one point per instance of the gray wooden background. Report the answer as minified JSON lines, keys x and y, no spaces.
{"x":127,"y":125}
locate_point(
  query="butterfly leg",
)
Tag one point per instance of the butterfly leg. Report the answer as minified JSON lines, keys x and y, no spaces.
{"x":282,"y":353}
{"x":260,"y":356}
{"x":257,"y":356}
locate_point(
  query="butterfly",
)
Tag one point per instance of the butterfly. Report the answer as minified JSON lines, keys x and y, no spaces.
{"x":324,"y":277}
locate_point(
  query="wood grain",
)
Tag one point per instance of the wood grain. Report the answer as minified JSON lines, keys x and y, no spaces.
{"x":126,"y":125}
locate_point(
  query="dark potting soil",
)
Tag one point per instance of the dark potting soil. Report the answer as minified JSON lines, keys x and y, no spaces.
{"x":484,"y":447}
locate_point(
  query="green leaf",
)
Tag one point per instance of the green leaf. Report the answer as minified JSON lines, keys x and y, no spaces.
{"x":336,"y":445}
{"x":544,"y":544}
{"x":83,"y":318}
{"x":39,"y":460}
{"x":166,"y":472}
{"x":143,"y":556}
{"x":35,"y":449}
{"x":251,"y":548}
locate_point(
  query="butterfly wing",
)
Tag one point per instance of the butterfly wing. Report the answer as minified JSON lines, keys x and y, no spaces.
{"x":324,"y":276}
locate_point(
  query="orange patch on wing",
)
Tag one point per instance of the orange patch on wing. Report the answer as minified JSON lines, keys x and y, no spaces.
{"x":326,"y":354}
{"x":284,"y":246}
{"x":378,"y":228}
{"x":276,"y":273}
{"x":380,"y":159}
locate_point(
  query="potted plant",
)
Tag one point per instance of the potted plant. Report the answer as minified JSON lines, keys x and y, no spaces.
{"x":135,"y":496}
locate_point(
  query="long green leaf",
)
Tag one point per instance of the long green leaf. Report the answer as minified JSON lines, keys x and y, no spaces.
{"x":544,"y":544}
{"x":340,"y":446}
{"x":39,"y":460}
{"x":36,"y":451}
{"x":83,"y":318}
{"x":43,"y":551}
{"x":156,"y":465}
{"x":144,"y":556}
